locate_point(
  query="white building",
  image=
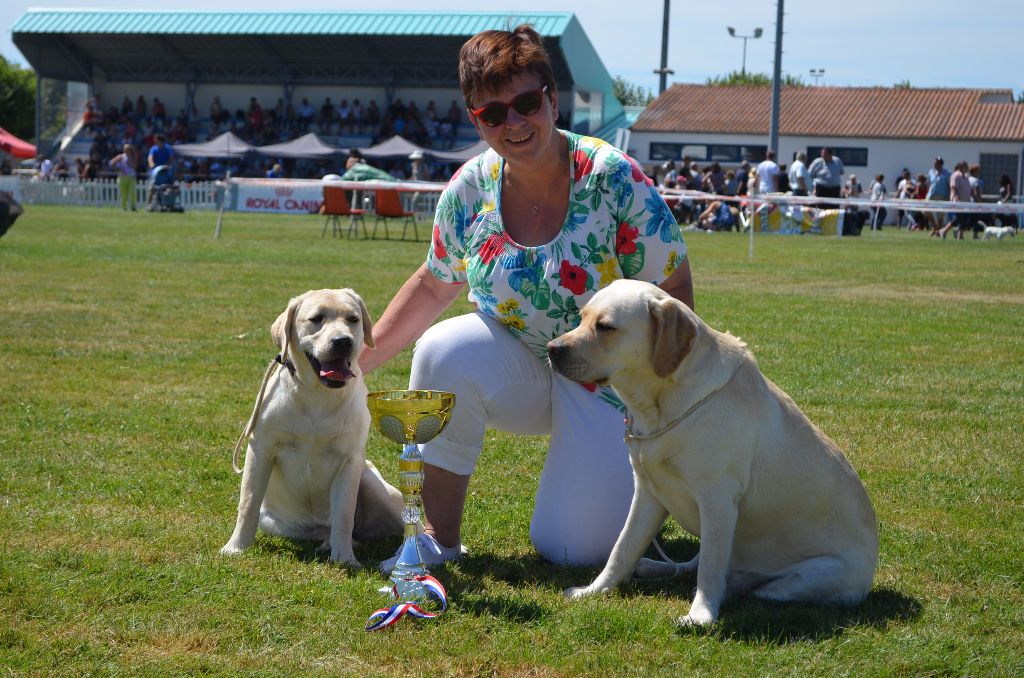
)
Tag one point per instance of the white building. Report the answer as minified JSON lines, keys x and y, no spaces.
{"x":874,"y":130}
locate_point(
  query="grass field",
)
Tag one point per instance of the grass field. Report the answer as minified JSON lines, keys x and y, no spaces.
{"x":133,"y":348}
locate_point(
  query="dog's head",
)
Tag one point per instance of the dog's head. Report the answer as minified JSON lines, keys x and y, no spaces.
{"x":629,"y":325}
{"x":326,"y":330}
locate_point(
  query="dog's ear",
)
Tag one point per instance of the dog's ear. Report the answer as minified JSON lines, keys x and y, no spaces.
{"x":674,"y":333}
{"x":284,"y":327}
{"x":367,"y":320}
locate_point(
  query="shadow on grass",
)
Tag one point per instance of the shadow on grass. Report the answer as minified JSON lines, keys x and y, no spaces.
{"x":742,"y":618}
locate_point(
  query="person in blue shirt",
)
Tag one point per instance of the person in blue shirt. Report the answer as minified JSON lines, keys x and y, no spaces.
{"x":160,"y":154}
{"x":938,"y":189}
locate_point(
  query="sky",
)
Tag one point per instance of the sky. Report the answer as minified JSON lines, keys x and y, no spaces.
{"x":941,"y":43}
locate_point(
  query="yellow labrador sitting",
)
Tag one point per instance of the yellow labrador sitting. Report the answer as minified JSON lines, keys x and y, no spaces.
{"x":306,"y":475}
{"x":780,"y":512}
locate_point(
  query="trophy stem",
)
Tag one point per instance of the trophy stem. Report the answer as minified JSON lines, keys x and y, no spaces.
{"x":410,"y":560}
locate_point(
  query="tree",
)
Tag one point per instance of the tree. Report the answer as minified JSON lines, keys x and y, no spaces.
{"x":903,"y":84}
{"x":17,"y":99}
{"x":736,"y":78}
{"x":629,"y":94}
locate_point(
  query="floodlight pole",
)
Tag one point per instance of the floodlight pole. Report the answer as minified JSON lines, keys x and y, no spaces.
{"x":664,"y":71}
{"x":755,"y":35}
{"x":773,"y":128}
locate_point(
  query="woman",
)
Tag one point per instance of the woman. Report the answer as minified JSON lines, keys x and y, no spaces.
{"x":532,"y":227}
{"x":124,"y":165}
{"x":878,"y":193}
{"x":1007,"y":195}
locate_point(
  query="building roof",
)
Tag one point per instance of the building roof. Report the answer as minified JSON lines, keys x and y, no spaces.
{"x":302,"y":47}
{"x":173,"y":22}
{"x":862,"y":112}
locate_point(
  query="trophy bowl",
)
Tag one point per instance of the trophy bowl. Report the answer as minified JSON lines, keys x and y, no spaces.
{"x":410,"y":416}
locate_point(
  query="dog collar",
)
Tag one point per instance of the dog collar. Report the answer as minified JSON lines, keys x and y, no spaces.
{"x":631,"y":437}
{"x":285,"y":363}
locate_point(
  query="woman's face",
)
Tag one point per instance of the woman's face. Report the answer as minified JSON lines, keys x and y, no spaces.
{"x":521,"y":139}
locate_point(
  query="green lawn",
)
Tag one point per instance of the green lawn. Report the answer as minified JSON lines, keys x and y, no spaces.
{"x":133,"y":349}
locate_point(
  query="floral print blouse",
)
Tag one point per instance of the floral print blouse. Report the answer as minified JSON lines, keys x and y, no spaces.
{"x":617,"y":226}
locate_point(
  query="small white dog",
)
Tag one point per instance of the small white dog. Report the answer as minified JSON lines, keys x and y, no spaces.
{"x":780,"y":512}
{"x":999,"y":232}
{"x":306,"y":475}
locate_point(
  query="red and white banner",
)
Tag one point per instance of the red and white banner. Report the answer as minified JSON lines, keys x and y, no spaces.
{"x":290,"y":196}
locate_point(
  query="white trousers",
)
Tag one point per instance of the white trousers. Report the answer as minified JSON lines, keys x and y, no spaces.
{"x":587,"y":482}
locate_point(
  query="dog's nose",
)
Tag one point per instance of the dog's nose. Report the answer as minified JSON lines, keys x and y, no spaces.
{"x":555,"y":350}
{"x":341,"y":343}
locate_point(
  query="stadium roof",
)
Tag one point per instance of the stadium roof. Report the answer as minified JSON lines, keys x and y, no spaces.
{"x":864,"y":112}
{"x":301,"y":48}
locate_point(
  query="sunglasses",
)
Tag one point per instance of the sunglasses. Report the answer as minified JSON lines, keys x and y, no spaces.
{"x":496,"y":112}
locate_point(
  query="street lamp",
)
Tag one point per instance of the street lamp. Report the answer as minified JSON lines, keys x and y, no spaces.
{"x":755,"y":36}
{"x":817,"y":73}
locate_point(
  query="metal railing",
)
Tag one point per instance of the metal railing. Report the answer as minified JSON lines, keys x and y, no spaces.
{"x":104,"y":193}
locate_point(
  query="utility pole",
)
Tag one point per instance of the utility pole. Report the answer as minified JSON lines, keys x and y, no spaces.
{"x":773,"y":126}
{"x":664,"y":71}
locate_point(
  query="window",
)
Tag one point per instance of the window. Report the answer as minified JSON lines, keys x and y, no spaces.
{"x":726,"y":153}
{"x":995,"y":165}
{"x":850,"y":155}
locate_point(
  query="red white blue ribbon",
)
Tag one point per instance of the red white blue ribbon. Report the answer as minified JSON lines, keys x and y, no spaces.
{"x":389,"y":616}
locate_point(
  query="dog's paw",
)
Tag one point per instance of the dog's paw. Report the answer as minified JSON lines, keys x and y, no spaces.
{"x":698,"y":616}
{"x":231,"y":549}
{"x":347,"y":560}
{"x":578,"y":592}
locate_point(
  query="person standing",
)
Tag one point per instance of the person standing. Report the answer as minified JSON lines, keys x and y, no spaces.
{"x":1007,"y":196}
{"x":878,"y":194}
{"x":799,"y":179}
{"x":938,"y":189}
{"x":160,"y":154}
{"x":959,"y":191}
{"x":768,"y":174}
{"x":512,"y":228}
{"x":827,"y":174}
{"x":124,"y":164}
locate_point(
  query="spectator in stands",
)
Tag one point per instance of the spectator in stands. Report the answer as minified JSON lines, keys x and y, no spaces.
{"x":716,"y":178}
{"x":671,"y":175}
{"x":160,"y":154}
{"x":344,"y":116}
{"x":358,"y":116}
{"x":768,"y":174}
{"x":126,"y":109}
{"x":159,"y":114}
{"x":140,"y":109}
{"x":124,"y":166}
{"x":178,"y":133}
{"x":938,"y":189}
{"x":254,"y":118}
{"x":79,"y":168}
{"x":91,"y":169}
{"x":326,"y":118}
{"x":799,"y":179}
{"x":373,"y":115}
{"x":305,"y":115}
{"x":1007,"y":196}
{"x":276,"y":171}
{"x":730,"y":183}
{"x":61,"y":169}
{"x":827,"y":175}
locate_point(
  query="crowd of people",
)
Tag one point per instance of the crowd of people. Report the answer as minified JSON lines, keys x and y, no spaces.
{"x":140,"y":122}
{"x":823,"y":178}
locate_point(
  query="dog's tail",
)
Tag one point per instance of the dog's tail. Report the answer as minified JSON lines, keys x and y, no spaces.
{"x":251,"y":424}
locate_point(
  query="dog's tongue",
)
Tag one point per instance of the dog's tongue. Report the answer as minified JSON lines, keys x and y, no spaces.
{"x":336,"y":370}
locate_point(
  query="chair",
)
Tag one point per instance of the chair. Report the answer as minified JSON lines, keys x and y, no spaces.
{"x":389,"y":206}
{"x":336,"y":206}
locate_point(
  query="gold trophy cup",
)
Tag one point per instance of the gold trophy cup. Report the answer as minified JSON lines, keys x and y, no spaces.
{"x":408,"y":418}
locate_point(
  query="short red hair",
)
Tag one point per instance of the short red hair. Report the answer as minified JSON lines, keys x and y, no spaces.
{"x":490,"y":59}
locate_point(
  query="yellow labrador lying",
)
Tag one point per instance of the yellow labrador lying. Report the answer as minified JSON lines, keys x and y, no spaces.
{"x":306,"y":475}
{"x":780,"y":512}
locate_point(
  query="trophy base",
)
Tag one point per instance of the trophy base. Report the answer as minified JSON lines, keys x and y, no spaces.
{"x":407,"y":568}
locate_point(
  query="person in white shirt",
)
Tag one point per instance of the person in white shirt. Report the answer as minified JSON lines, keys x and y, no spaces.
{"x":768,"y":174}
{"x":799,"y":178}
{"x":878,"y":193}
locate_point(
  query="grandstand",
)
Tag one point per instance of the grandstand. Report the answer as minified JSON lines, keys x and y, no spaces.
{"x":404,"y":62}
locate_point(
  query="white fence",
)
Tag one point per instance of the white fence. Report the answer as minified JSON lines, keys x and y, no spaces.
{"x":104,"y":193}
